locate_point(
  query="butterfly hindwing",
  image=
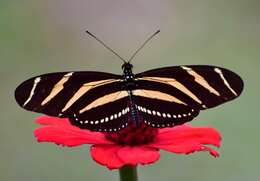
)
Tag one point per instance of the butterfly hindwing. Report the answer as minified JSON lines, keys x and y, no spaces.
{"x":109,"y":117}
{"x":160,"y":113}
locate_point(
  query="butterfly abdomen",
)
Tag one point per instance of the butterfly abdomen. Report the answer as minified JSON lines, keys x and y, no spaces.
{"x":134,"y":115}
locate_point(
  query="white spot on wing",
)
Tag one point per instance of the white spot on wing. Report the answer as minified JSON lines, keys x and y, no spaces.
{"x":106,"y":119}
{"x":115,"y":116}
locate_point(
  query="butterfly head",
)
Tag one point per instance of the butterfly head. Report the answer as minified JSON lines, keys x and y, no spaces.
{"x":127,"y":68}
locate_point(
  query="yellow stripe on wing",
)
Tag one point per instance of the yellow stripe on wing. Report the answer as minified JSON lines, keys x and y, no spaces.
{"x":84,"y":89}
{"x":173,"y":82}
{"x":200,"y":80}
{"x":57,"y":88}
{"x":105,"y":99}
{"x":152,"y":94}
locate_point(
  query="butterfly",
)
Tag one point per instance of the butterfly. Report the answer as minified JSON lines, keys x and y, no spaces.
{"x":106,"y":102}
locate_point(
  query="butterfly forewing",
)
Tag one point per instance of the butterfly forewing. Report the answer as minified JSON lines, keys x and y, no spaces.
{"x":206,"y":86}
{"x":55,"y":93}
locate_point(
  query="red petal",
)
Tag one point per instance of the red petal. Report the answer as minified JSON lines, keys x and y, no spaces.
{"x":187,"y":139}
{"x":49,"y":120}
{"x":178,"y":134}
{"x":187,"y":148}
{"x":107,"y":155}
{"x":59,"y":131}
{"x":138,"y":155}
{"x":115,"y":156}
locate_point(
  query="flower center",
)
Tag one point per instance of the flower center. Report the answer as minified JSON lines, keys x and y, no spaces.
{"x":134,"y":135}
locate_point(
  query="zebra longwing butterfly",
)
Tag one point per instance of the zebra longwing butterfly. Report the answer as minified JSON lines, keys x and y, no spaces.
{"x":106,"y":102}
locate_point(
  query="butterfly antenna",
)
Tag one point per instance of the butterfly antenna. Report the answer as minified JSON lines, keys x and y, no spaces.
{"x":107,"y":47}
{"x":158,"y":31}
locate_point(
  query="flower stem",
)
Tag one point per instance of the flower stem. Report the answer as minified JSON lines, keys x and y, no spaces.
{"x":128,"y":173}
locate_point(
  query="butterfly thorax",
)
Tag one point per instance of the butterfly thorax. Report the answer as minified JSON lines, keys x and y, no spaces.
{"x":128,"y":76}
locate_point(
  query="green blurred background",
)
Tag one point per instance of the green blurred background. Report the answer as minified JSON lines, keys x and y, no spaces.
{"x":47,"y":36}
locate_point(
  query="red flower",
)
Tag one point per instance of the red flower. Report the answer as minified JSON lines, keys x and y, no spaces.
{"x":132,"y":145}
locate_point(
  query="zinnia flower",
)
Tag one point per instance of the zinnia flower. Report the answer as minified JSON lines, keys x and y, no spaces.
{"x":131,"y":146}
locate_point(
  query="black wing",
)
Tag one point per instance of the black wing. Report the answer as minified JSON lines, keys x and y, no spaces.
{"x":175,"y":95}
{"x":91,"y":100}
